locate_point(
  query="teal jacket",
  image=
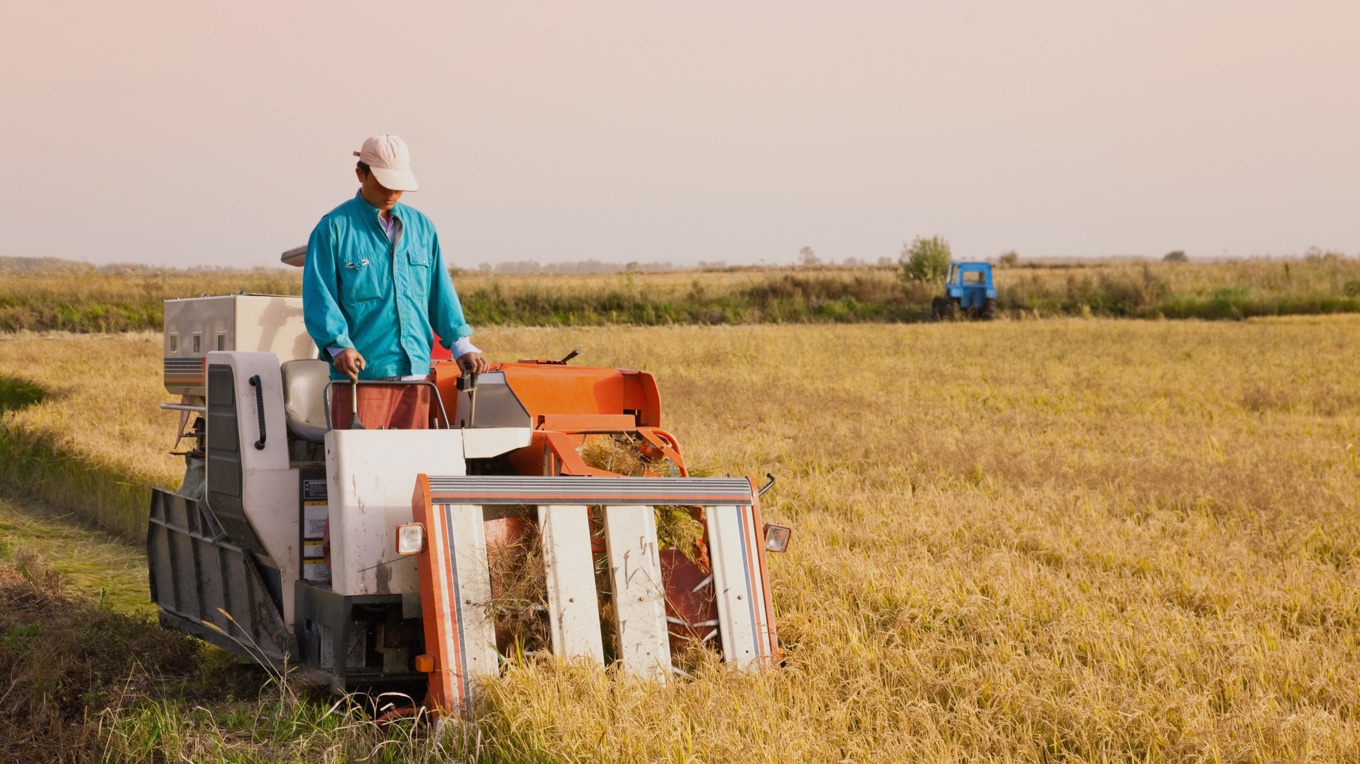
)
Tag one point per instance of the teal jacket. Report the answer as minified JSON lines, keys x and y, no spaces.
{"x":361,"y":291}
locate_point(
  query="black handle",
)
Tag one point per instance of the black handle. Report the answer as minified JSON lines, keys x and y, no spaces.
{"x":768,"y":485}
{"x":259,"y":409}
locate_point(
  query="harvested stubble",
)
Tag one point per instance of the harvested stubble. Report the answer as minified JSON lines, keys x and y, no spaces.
{"x":1020,"y":541}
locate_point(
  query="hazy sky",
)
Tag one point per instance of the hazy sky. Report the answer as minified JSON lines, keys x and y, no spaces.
{"x":190,"y":133}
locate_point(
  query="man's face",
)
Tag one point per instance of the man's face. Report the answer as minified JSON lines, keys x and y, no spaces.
{"x":376,"y":193}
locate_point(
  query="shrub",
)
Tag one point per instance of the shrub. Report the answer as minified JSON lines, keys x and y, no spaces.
{"x":1177,"y":256}
{"x":1316,"y":255}
{"x":1126,"y":292}
{"x":926,"y":260}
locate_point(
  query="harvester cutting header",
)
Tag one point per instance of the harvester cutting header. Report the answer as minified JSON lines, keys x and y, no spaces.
{"x":545,"y":509}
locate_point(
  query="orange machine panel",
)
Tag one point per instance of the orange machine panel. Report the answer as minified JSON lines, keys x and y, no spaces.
{"x":546,"y":389}
{"x":549,"y":389}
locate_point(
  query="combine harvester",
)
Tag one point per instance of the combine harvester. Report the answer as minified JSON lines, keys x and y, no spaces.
{"x":414,"y":561}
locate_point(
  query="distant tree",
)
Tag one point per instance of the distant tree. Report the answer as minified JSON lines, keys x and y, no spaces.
{"x":1176,"y":256}
{"x":807,"y":257}
{"x":519,"y":266}
{"x":886,"y":261}
{"x":1009,"y":259}
{"x":925,"y":260}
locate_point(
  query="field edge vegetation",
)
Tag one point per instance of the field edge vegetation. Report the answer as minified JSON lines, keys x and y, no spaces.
{"x":82,"y":298}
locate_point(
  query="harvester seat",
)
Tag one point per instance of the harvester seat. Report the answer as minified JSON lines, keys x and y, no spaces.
{"x":304,"y":397}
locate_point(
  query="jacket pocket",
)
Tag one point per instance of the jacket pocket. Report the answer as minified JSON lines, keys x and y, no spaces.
{"x":360,"y":280}
{"x":418,"y":269}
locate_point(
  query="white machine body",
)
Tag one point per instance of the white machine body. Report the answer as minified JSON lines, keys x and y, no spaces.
{"x":196,"y":326}
{"x":369,"y":475}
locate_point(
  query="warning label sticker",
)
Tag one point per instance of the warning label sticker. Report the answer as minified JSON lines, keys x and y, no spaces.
{"x":314,"y":490}
{"x":314,"y":515}
{"x":315,"y":570}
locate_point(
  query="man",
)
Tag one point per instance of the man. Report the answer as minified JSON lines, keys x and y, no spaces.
{"x":375,"y":291}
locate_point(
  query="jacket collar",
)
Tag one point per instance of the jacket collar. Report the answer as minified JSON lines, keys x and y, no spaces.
{"x":397,"y":209}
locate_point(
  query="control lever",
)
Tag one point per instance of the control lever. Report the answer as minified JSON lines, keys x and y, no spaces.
{"x":467,"y":383}
{"x":354,"y":423}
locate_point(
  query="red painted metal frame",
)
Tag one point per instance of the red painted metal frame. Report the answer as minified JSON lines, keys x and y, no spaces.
{"x":450,"y":687}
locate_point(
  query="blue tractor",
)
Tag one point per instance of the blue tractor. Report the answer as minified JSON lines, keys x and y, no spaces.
{"x":969,"y":291}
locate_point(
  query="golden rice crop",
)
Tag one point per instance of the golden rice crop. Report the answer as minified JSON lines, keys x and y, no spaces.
{"x":98,"y":438}
{"x":1079,"y":540}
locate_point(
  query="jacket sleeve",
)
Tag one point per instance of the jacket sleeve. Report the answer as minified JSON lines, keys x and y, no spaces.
{"x":321,"y":292}
{"x":446,"y":310}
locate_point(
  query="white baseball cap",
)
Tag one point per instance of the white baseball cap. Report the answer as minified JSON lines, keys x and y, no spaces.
{"x":390,"y":161}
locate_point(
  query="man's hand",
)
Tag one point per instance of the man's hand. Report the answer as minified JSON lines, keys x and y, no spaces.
{"x":350,"y":363}
{"x":473,"y":363}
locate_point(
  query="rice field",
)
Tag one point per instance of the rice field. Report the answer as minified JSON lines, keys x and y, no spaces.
{"x":1053,"y":540}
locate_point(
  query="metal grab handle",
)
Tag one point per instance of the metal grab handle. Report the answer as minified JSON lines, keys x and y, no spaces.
{"x":443,"y":414}
{"x":768,"y":485}
{"x":259,"y":409}
{"x":467,"y":383}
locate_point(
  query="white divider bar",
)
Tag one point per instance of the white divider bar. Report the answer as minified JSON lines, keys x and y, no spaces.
{"x":465,"y":630}
{"x":737,"y":584}
{"x":613,"y":491}
{"x":467,"y":537}
{"x":639,"y":599}
{"x":573,"y":610}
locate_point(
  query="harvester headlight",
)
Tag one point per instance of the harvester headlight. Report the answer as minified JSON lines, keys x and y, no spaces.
{"x":777,"y":537}
{"x":410,"y":538}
